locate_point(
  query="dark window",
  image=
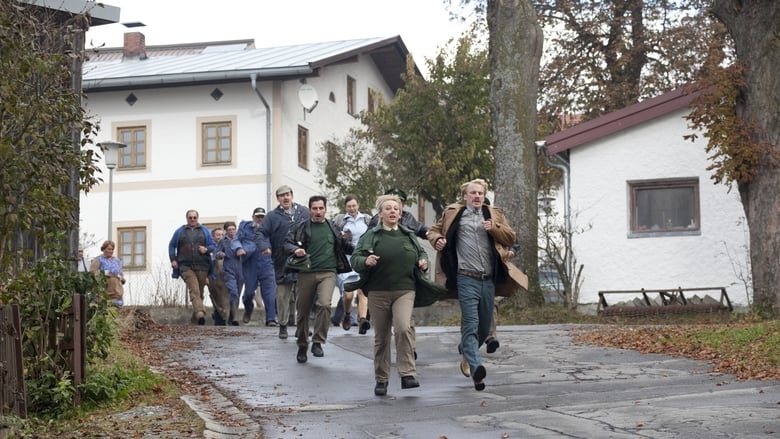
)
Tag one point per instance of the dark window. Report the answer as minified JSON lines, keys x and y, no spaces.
{"x":371,"y":104}
{"x":303,"y":147}
{"x":664,"y":206}
{"x":351,"y":90}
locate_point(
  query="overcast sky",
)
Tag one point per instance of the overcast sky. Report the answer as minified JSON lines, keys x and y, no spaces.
{"x":423,"y":25}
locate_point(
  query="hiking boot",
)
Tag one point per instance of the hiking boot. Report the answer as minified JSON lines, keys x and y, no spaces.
{"x":479,"y":375}
{"x":364,"y":326}
{"x":380,"y":389}
{"x":409,"y":382}
{"x":347,"y":322}
{"x":465,"y":369}
{"x":283,"y":332}
{"x":301,"y":356}
{"x":492,"y":344}
{"x":316,"y":349}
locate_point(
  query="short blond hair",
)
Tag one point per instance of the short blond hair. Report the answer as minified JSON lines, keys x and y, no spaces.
{"x":465,"y":186}
{"x":385,"y":198}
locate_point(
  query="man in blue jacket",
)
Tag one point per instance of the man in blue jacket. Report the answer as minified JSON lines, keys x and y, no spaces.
{"x":190,"y":251}
{"x":275,"y":227}
{"x":257,"y":267}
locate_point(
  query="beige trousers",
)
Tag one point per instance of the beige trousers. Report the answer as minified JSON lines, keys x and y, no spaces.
{"x":391,"y":311}
{"x":196,"y":281}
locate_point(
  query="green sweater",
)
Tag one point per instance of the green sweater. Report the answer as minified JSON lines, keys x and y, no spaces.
{"x":398,"y":257}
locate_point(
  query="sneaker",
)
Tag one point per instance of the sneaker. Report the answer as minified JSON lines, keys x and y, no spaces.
{"x":201,"y":318}
{"x":282,"y":332}
{"x":409,"y":382}
{"x":380,"y":389}
{"x":347,"y":322}
{"x":316,"y":349}
{"x":365,"y":325}
{"x":465,"y":369}
{"x":492,"y":344}
{"x":301,"y":356}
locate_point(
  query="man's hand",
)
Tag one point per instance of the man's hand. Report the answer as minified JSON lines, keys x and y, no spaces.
{"x":440,"y":244}
{"x":240,"y":252}
{"x":174,"y":265}
{"x":423,"y":264}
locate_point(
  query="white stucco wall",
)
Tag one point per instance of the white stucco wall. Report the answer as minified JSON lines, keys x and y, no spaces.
{"x":158,"y":196}
{"x":600,"y":197}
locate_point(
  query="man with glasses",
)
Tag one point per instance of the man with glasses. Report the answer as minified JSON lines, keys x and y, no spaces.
{"x":190,"y":251}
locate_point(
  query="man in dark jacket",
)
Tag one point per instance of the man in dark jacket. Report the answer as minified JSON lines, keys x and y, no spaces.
{"x":327,"y":251}
{"x":275,"y":227}
{"x":190,"y":251}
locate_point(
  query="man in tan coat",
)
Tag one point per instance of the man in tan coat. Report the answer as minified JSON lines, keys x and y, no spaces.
{"x":472,"y":240}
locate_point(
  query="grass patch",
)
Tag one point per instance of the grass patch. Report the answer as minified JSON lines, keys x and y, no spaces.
{"x":122,"y":398}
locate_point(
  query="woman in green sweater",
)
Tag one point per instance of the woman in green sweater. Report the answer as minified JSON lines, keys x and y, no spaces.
{"x":387,"y":257}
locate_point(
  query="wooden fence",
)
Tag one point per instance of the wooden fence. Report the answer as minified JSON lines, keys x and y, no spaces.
{"x":67,"y":334}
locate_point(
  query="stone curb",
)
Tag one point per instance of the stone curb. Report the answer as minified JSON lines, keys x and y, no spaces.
{"x":218,"y":404}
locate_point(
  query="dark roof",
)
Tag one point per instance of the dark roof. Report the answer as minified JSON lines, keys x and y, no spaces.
{"x":618,"y":120}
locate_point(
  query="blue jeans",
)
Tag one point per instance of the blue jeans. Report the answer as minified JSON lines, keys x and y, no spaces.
{"x":476,"y":308}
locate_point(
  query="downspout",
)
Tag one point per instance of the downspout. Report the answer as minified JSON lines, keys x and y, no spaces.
{"x":268,"y":206}
{"x":563,"y":166}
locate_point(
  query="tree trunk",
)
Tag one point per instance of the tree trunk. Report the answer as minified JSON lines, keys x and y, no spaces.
{"x":755,"y":27}
{"x":515,"y":49}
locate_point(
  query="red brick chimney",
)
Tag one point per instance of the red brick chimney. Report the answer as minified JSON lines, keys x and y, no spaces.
{"x":135,"y":46}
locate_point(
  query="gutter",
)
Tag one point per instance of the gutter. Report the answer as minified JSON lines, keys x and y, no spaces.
{"x":561,"y":164}
{"x":181,"y":78}
{"x":253,"y":78}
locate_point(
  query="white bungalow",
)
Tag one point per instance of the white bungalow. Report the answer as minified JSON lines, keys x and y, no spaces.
{"x":658,"y":220}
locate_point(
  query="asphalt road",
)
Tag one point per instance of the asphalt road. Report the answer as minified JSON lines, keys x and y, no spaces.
{"x":539,"y":385}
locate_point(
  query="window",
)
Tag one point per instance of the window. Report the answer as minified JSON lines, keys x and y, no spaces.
{"x":371,"y":104}
{"x":131,"y":246}
{"x":217,"y":141}
{"x":351,"y":90}
{"x":303,"y":147}
{"x":664,"y":207}
{"x":134,"y":155}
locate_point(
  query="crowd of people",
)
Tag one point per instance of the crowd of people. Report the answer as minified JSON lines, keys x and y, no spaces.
{"x":297,"y":258}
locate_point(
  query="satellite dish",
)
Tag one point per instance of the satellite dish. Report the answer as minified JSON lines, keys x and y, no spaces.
{"x":307,"y":96}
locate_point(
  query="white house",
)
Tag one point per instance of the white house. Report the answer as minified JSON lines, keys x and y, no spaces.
{"x":658,"y":220}
{"x":216,"y":127}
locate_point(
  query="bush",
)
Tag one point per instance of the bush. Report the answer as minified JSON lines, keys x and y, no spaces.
{"x":44,"y":294}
